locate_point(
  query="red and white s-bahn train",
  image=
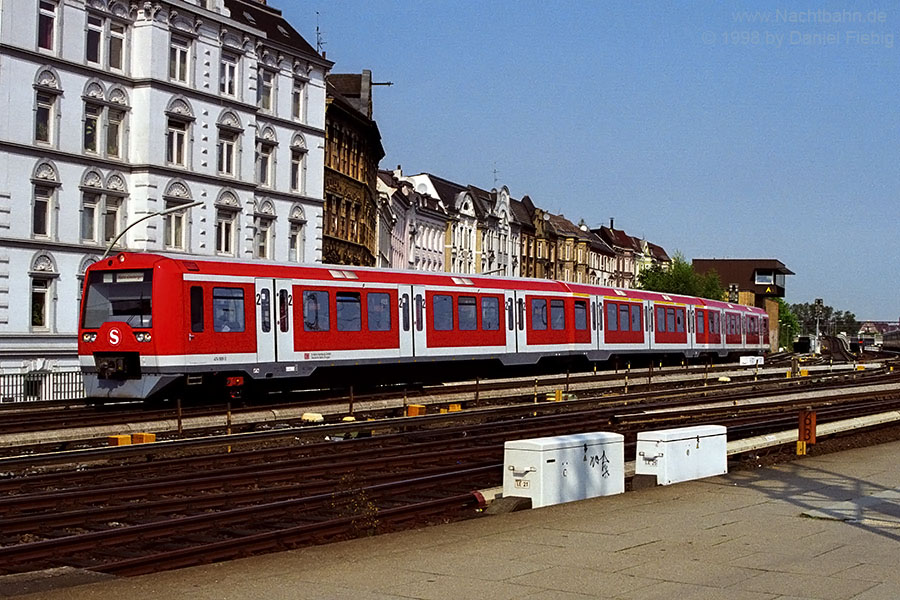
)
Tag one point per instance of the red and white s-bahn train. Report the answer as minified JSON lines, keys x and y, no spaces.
{"x":155,"y":325}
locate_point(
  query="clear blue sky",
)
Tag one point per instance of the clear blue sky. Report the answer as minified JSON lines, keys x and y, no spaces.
{"x":701,"y":127}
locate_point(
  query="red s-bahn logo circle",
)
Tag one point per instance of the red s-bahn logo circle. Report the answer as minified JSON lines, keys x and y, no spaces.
{"x":114,"y":336}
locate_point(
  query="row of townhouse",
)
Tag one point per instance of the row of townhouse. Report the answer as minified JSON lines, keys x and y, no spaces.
{"x":434,"y":224}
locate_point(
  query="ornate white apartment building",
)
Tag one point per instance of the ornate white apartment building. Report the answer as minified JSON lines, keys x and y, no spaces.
{"x":210,"y":110}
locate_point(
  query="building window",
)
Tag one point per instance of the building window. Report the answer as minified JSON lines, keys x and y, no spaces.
{"x":101,"y":217}
{"x":176,"y":143}
{"x":43,"y":201}
{"x":175,"y":227}
{"x":40,"y":303}
{"x":179,"y":55}
{"x":298,"y":170}
{"x":263,"y":240}
{"x":296,"y":242}
{"x":225,"y":231}
{"x":265,"y":90}
{"x":47,"y":24}
{"x":92,"y":116}
{"x":226,"y":153}
{"x":298,"y":100}
{"x":265,"y":164}
{"x":228,"y":74}
{"x":98,"y":29}
{"x":45,"y":115}
{"x":93,"y":122}
{"x":114,"y":121}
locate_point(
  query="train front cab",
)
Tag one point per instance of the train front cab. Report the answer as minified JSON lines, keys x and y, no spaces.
{"x":124,"y":326}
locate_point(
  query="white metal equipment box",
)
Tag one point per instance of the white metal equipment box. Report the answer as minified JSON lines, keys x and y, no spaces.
{"x":552,"y":470}
{"x":682,"y":454}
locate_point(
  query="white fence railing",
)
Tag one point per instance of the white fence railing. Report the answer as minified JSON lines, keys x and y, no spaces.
{"x":41,"y":385}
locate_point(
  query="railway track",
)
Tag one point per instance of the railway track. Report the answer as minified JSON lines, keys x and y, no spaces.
{"x":203,"y":503}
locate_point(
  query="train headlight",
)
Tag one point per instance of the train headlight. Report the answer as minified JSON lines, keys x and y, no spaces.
{"x":142,"y":336}
{"x":88,"y":337}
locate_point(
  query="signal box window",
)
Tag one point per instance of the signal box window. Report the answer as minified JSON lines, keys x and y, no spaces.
{"x":580,"y":315}
{"x":228,"y":309}
{"x":315,"y":311}
{"x":612,"y":321}
{"x":538,"y":314}
{"x":557,"y":315}
{"x":379,"y":312}
{"x":443,"y":313}
{"x":490,"y":314}
{"x":196,"y":309}
{"x":468,"y":319}
{"x":349,"y":311}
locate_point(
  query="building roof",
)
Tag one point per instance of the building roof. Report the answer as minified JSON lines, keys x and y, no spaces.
{"x":755,"y":263}
{"x":268,"y":19}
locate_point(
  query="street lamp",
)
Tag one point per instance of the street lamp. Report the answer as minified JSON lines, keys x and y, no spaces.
{"x":144,"y":218}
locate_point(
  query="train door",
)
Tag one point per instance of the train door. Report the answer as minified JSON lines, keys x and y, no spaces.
{"x":509,"y":322}
{"x":519,"y":320}
{"x":283,"y":320}
{"x":405,"y":298}
{"x":691,"y":331}
{"x":419,"y":317}
{"x":650,"y":323}
{"x":265,"y":326}
{"x":597,"y":320}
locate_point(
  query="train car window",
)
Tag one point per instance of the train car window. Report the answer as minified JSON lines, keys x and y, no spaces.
{"x":521,"y":314}
{"x":283,"y":302}
{"x":442,"y":312}
{"x":510,"y":317}
{"x":467,"y":313}
{"x":580,"y":315}
{"x":420,"y":308}
{"x":228,"y":309}
{"x":265,"y":310}
{"x":623,"y":317}
{"x":405,"y":309}
{"x":679,"y":320}
{"x":315,"y":311}
{"x":635,"y":317}
{"x":670,"y":320}
{"x":700,"y":321}
{"x":348,"y":311}
{"x":660,"y":318}
{"x":557,"y":315}
{"x":490,"y":313}
{"x":378,"y":313}
{"x":196,"y":309}
{"x":600,"y":316}
{"x":593,"y":315}
{"x":538,"y":314}
{"x":612,"y":321}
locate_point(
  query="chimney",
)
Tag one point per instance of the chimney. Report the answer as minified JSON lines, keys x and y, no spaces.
{"x":398,"y":172}
{"x":365,"y":93}
{"x":611,"y":223}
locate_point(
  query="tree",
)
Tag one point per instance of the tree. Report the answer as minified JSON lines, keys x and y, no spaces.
{"x":788,"y":325}
{"x":681,"y":278}
{"x":831,"y":321}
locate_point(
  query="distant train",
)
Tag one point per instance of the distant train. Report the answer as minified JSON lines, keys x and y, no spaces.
{"x":164,"y":325}
{"x":891,"y":341}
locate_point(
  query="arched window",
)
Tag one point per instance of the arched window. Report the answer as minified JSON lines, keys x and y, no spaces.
{"x":176,"y":227}
{"x":42,"y":302}
{"x":266,"y":142}
{"x":297,"y":240}
{"x":46,"y":107}
{"x":45,"y":183}
{"x":228,"y":211}
{"x":180,"y":116}
{"x":264,"y":223}
{"x":298,"y":164}
{"x":228,"y":149}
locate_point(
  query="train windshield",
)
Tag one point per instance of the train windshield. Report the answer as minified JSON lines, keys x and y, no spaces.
{"x":122,"y":296}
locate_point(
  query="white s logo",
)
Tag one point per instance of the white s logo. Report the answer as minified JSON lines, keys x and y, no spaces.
{"x":114,"y":337}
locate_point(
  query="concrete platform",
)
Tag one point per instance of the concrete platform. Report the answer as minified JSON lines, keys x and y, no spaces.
{"x":820,"y":528}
